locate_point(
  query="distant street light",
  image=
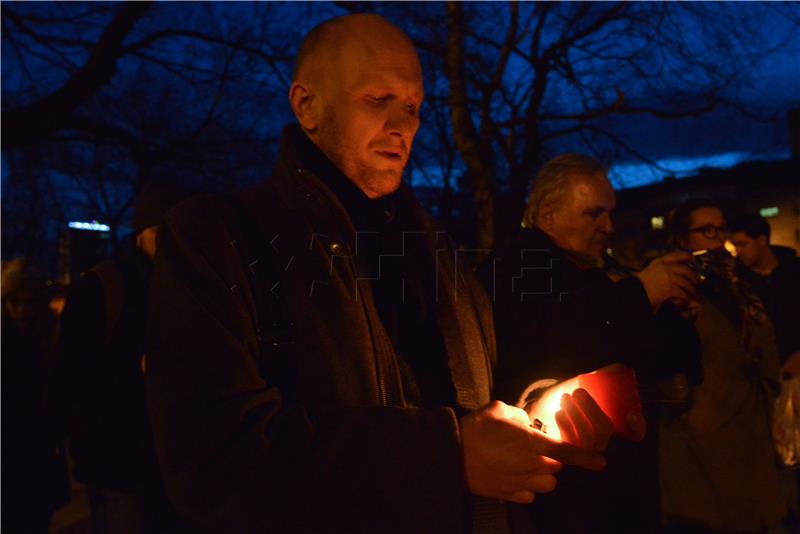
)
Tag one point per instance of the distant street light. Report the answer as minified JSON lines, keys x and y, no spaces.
{"x":93,"y":226}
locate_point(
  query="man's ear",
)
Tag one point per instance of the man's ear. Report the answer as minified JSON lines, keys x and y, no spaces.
{"x":762,"y":240}
{"x":305,"y":104}
{"x":546,"y":217}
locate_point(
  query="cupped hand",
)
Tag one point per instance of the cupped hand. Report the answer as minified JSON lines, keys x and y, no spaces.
{"x":504,"y":457}
{"x":582,"y":423}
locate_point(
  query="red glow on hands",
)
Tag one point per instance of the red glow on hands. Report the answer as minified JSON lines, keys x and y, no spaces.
{"x":613,"y":388}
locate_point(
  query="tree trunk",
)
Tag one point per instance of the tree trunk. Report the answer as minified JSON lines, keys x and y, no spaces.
{"x":475,"y":152}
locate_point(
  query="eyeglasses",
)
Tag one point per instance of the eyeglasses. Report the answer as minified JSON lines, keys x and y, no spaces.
{"x":710,"y":231}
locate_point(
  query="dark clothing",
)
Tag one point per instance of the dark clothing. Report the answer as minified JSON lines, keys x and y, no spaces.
{"x":34,"y":470}
{"x":100,"y":360}
{"x":780,"y":293}
{"x":557,"y":319}
{"x":277,"y":392}
{"x":116,"y":512}
{"x":110,"y":440}
{"x":718,"y":466}
{"x":387,"y":249}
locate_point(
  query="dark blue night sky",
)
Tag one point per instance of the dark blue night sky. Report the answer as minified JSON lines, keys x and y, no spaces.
{"x":198,"y":91}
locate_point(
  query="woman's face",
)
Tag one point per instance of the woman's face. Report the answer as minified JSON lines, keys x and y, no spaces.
{"x":706,"y":229}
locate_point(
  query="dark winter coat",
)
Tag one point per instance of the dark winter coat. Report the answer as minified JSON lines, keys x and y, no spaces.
{"x":718,"y":467}
{"x":274,"y":388}
{"x":33,"y":465}
{"x":556,"y":319}
{"x":780,"y":292}
{"x":100,"y":379}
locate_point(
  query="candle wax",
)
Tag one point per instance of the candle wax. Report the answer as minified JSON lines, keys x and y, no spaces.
{"x":613,"y":388}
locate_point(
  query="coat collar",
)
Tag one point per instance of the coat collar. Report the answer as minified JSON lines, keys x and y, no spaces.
{"x":468,"y":341}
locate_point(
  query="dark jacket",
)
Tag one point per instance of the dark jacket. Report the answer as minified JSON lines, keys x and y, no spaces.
{"x":780,"y":293}
{"x":100,"y":380}
{"x":34,"y":470}
{"x":718,"y":467}
{"x":556,"y":319}
{"x":274,"y":388}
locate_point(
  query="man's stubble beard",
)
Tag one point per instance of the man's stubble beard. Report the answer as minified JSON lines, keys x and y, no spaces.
{"x":369,"y":180}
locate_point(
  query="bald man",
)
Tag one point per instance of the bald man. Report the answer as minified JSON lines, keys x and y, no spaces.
{"x":318,"y":360}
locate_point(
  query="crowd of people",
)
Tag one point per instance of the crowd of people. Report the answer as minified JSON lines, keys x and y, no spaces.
{"x":312,"y":354}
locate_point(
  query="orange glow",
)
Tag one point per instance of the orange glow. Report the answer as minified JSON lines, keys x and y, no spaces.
{"x":613,"y":388}
{"x":549,"y":403}
{"x":56,"y":305}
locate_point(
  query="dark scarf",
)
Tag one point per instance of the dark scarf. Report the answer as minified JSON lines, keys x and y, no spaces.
{"x":391,"y":253}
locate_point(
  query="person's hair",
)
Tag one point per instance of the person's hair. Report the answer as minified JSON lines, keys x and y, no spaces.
{"x":552,"y":180}
{"x":751,"y":224}
{"x":681,"y":217}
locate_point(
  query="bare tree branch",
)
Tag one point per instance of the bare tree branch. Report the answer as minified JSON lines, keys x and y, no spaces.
{"x":35,"y":121}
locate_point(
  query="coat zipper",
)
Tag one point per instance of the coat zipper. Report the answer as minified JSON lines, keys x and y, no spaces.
{"x":379,"y":374}
{"x":381,"y":383}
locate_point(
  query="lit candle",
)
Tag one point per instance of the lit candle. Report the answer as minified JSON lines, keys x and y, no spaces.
{"x":613,"y":388}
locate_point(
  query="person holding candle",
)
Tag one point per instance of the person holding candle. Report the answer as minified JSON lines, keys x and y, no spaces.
{"x":718,"y":464}
{"x":564,"y":307}
{"x":318,"y":361}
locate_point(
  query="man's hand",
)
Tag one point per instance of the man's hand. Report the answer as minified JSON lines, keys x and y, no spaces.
{"x":669,"y":277}
{"x":688,"y":309}
{"x":585,"y":420}
{"x":504,"y":457}
{"x":582,"y":423}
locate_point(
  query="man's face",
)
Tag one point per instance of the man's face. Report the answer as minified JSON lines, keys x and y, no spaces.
{"x":749,"y":250}
{"x":582,"y":222}
{"x":371,"y":97}
{"x":706,"y":229}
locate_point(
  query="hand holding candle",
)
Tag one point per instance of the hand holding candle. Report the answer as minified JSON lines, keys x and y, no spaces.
{"x":507,"y":459}
{"x":582,"y":423}
{"x":613,"y":389}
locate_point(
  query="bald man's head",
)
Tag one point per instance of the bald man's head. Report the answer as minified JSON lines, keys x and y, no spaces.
{"x":356,"y":92}
{"x":325,"y":41}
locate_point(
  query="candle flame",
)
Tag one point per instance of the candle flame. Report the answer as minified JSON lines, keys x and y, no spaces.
{"x":549,"y":403}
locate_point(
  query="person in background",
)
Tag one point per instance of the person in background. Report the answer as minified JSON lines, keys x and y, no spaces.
{"x":774,"y":273}
{"x":718,"y":469}
{"x":100,"y":357}
{"x":34,"y":472}
{"x":562,"y":306}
